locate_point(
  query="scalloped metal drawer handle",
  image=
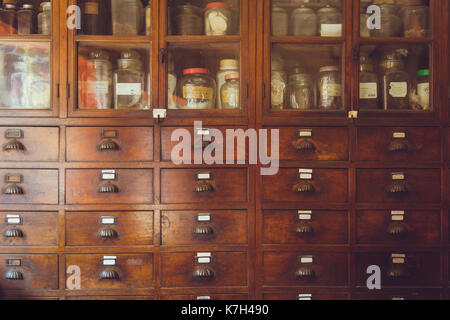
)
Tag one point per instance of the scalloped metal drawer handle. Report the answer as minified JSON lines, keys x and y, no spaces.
{"x":14,"y":275}
{"x":398,"y":271}
{"x":398,"y":230}
{"x":14,"y":145}
{"x":109,"y":275}
{"x":108,"y":188}
{"x":204,"y":273}
{"x":108,"y":234}
{"x":397,"y":146}
{"x":303,"y":145}
{"x":203,"y":187}
{"x":203,"y":231}
{"x":14,"y":233}
{"x":305,"y":272}
{"x":304,"y":187}
{"x":13,"y":189}
{"x":304,"y":229}
{"x":108,"y":145}
{"x":397,"y":188}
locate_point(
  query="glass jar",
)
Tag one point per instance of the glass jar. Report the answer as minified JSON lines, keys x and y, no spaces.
{"x":423,"y":89}
{"x":25,"y":20}
{"x":95,"y":87}
{"x":278,"y":83}
{"x":329,"y":87}
{"x":229,"y":92}
{"x":129,"y":82}
{"x":396,"y":81}
{"x":304,"y":22}
{"x":126,"y":17}
{"x":300,"y":92}
{"x":91,"y":17}
{"x":45,"y":18}
{"x":330,"y":22}
{"x":415,"y":21}
{"x":197,"y":89}
{"x":217,"y":19}
{"x":171,"y":85}
{"x":227,"y":66}
{"x":8,"y":19}
{"x":391,"y":23}
{"x":187,"y":20}
{"x":368,"y":84}
{"x":148,"y":19}
{"x":279,"y":22}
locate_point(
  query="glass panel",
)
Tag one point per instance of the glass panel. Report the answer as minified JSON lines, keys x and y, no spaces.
{"x":25,"y":75}
{"x":113,"y":76}
{"x":400,"y":18}
{"x":115,"y":17}
{"x":306,"y":77}
{"x":204,"y":76}
{"x":395,"y":77}
{"x":26,"y":17}
{"x":307,"y":18}
{"x":203,"y":17}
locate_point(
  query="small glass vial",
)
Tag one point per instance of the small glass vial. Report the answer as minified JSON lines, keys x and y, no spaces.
{"x":368,"y":84}
{"x":25,"y":20}
{"x":300,"y":93}
{"x":8,"y":19}
{"x":330,"y":22}
{"x":229,"y":92}
{"x":423,"y":89}
{"x":217,"y":19}
{"x":45,"y":18}
{"x":129,"y":82}
{"x":197,"y":89}
{"x":329,"y":87}
{"x":280,"y":21}
{"x":304,"y":22}
{"x":278,"y":83}
{"x":227,"y":66}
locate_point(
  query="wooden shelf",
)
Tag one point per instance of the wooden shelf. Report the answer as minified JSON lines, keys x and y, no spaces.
{"x":26,"y":38}
{"x":397,"y":40}
{"x":202,"y":39}
{"x":307,"y":40}
{"x":109,"y":38}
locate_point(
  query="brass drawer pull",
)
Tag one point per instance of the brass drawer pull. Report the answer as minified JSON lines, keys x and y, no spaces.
{"x":202,"y":231}
{"x":303,"y":145}
{"x":398,"y":230}
{"x":14,"y":275}
{"x":108,"y":188}
{"x":14,"y":233}
{"x":304,"y":229}
{"x":109,"y":275}
{"x":304,"y":187}
{"x":13,"y":189}
{"x":108,"y":145}
{"x":203,"y":273}
{"x":398,"y":271}
{"x":203,"y":187}
{"x":398,"y":146}
{"x":14,"y":145}
{"x":305,"y":272}
{"x":397,"y":187}
{"x":108,"y":234}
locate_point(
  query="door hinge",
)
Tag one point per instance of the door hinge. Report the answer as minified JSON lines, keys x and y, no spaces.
{"x":162,"y":56}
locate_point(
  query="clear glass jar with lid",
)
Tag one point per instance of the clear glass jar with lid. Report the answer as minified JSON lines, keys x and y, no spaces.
{"x":368,"y":84}
{"x":423,"y":89}
{"x":26,"y":20}
{"x":129,"y":82}
{"x":330,"y":22}
{"x":187,"y":20}
{"x":45,"y":18}
{"x":217,"y":19}
{"x":95,"y":87}
{"x":227,"y":66}
{"x":197,"y":89}
{"x":8,"y":19}
{"x":329,"y":88}
{"x":280,"y":21}
{"x":229,"y":92}
{"x":300,"y":92}
{"x":127,"y":17}
{"x":304,"y":22}
{"x":278,"y":82}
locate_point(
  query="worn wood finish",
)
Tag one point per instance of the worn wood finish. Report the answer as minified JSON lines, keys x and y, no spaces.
{"x":400,"y":294}
{"x":316,"y":294}
{"x":206,"y":296}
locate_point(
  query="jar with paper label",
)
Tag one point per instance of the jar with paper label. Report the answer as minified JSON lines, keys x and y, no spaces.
{"x":197,"y":89}
{"x":229,"y":92}
{"x":227,"y":66}
{"x":329,"y":88}
{"x":278,"y":83}
{"x":280,"y":21}
{"x":129,"y":80}
{"x":304,"y":22}
{"x":368,"y":84}
{"x":300,"y":92}
{"x":95,"y":86}
{"x":217,"y":19}
{"x":396,"y":81}
{"x":330,"y":22}
{"x":423,"y":89}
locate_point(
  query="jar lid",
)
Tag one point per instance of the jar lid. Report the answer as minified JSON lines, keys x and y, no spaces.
{"x":99,"y":54}
{"x":130,"y":54}
{"x":328,"y":69}
{"x":195,"y":70}
{"x":278,"y":9}
{"x":27,"y":6}
{"x":10,"y":6}
{"x":232,"y":76}
{"x":423,"y":73}
{"x":217,"y":5}
{"x":303,"y":9}
{"x":46,"y":4}
{"x":229,"y":64}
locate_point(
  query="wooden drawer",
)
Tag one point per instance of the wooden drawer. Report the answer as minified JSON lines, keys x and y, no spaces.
{"x":184,"y":185}
{"x":379,"y":185}
{"x":399,"y":294}
{"x":398,"y":227}
{"x":419,"y":269}
{"x":306,"y":294}
{"x":29,"y":229}
{"x":185,"y":269}
{"x":110,"y":298}
{"x":296,"y":268}
{"x":206,"y":296}
{"x":211,"y":227}
{"x":29,"y":271}
{"x":20,"y":186}
{"x":316,"y":144}
{"x":326,"y":185}
{"x":109,"y":144}
{"x":131,"y":271}
{"x":86,"y":186}
{"x":305,"y":227}
{"x":398,"y":144}
{"x":109,"y":228}
{"x":199,"y":137}
{"x":29,"y":144}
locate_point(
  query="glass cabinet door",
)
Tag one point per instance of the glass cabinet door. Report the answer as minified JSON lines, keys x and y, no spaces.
{"x":28,"y":56}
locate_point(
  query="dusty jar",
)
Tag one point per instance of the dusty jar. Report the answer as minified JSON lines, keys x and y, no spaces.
{"x":278,"y":84}
{"x":126,"y":17}
{"x":280,"y":21}
{"x":25,"y":20}
{"x":304,"y":22}
{"x":45,"y":18}
{"x":330,"y":22}
{"x":197,"y":89}
{"x":187,"y":20}
{"x":300,"y":92}
{"x":415,"y":21}
{"x":217,"y":19}
{"x":329,"y":87}
{"x":8,"y":19}
{"x":368,"y":84}
{"x":227,"y":66}
{"x":229,"y":92}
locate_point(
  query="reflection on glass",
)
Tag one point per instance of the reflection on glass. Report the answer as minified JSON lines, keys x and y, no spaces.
{"x":307,"y":18}
{"x":306,"y":77}
{"x":25,"y":76}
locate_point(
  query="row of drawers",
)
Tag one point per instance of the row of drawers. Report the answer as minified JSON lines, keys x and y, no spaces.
{"x":125,"y":186}
{"x":220,"y":227}
{"x":216,"y":269}
{"x":137,"y":144}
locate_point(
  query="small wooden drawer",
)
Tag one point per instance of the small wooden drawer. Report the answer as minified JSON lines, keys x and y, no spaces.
{"x":398,"y":294}
{"x":29,"y":229}
{"x":138,"y":298}
{"x":398,"y":227}
{"x":92,"y":186}
{"x":315,"y":185}
{"x":113,"y":271}
{"x":305,"y":227}
{"x":305,"y":268}
{"x":207,"y":227}
{"x":303,"y":294}
{"x":109,"y":144}
{"x":400,"y":268}
{"x":398,"y":185}
{"x":109,"y":228}
{"x":313,"y":144}
{"x":398,"y":144}
{"x":206,"y":296}
{"x":37,"y":186}
{"x":204,"y":269}
{"x":29,"y":144}
{"x":203,"y":185}
{"x":200,"y":139}
{"x":29,"y":271}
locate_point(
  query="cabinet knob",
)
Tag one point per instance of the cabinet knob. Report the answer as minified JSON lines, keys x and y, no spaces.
{"x":304,"y":145}
{"x":109,"y":275}
{"x":304,"y":187}
{"x":398,"y":230}
{"x":203,"y":273}
{"x":108,"y":188}
{"x":108,"y":145}
{"x":397,"y":187}
{"x":304,"y":229}
{"x":13,"y":189}
{"x":397,"y":146}
{"x":108,"y":234}
{"x":305,"y":272}
{"x":14,"y":145}
{"x":14,"y":233}
{"x":203,"y":231}
{"x":14,"y":275}
{"x":203,"y":187}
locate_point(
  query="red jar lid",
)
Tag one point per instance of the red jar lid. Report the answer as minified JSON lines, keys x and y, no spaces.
{"x":195,"y":70}
{"x":217,"y":5}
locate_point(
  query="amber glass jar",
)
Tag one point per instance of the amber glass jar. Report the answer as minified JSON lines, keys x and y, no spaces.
{"x":91,"y":14}
{"x":395,"y":80}
{"x":8,"y":19}
{"x":26,"y":20}
{"x":368,"y":84}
